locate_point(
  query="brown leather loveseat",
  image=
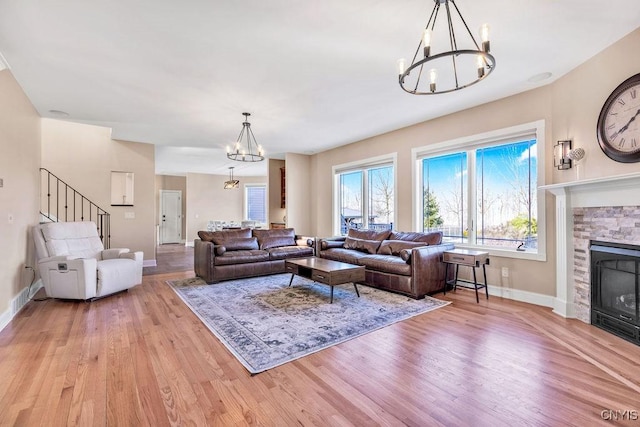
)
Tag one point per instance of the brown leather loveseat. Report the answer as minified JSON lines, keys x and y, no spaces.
{"x":405,"y":262}
{"x":230,"y":254}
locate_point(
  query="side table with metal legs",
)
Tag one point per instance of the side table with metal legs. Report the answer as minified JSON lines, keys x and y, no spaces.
{"x":469,"y":258}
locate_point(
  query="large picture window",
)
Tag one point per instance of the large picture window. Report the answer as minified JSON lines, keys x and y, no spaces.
{"x":365,"y":196}
{"x":483,"y":193}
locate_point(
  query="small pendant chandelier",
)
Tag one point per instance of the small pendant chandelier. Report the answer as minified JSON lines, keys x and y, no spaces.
{"x":248,"y":150}
{"x":232,"y":183}
{"x":431,"y":74}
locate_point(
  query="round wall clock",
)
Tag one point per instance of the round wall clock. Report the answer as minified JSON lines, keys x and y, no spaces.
{"x":619,"y":122}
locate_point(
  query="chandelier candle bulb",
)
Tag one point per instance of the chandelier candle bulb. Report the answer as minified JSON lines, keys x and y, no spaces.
{"x":433,"y":75}
{"x":480,"y":66}
{"x":484,"y":36}
{"x":402,"y":66}
{"x":426,"y":42}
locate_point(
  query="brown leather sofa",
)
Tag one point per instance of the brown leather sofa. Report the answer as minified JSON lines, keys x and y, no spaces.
{"x":405,"y":262}
{"x":231,"y":254}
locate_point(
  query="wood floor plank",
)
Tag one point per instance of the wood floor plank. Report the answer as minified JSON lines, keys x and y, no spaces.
{"x":143,"y":358}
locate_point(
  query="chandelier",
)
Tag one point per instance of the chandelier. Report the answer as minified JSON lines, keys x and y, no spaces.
{"x":451,"y":70}
{"x":231,"y":183}
{"x":252,"y":152}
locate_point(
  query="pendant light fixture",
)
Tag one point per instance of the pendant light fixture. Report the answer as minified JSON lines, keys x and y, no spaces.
{"x":432,"y":73}
{"x":231,"y":183}
{"x":246,"y":149}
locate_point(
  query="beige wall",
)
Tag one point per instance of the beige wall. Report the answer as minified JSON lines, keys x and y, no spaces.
{"x":276,"y":213}
{"x":84,"y":156}
{"x":298,"y":193}
{"x":169,"y":182}
{"x":578,"y":98}
{"x":570,"y":108}
{"x":209,"y":201}
{"x":20,"y":191}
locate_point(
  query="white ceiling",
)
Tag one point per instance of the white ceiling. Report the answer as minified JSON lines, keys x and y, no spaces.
{"x":314,"y":74}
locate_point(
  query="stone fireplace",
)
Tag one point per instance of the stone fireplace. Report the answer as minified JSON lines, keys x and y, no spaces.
{"x":602,"y":209}
{"x":614,"y":224}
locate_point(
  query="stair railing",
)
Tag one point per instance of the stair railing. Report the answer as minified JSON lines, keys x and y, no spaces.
{"x":63,"y":203}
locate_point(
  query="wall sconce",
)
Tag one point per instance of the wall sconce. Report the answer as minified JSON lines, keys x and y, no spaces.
{"x":560,"y":152}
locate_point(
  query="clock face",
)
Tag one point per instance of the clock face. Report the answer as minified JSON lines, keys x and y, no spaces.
{"x":619,"y":122}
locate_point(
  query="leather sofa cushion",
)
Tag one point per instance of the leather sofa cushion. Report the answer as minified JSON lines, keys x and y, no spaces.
{"x":239,"y":244}
{"x":387,"y":264}
{"x":368,"y":234}
{"x":393,"y":247}
{"x":241,"y":257}
{"x":344,"y":255}
{"x":431,"y":238}
{"x":274,"y":232}
{"x":276,"y":242}
{"x":285,"y":252}
{"x":362,"y":245}
{"x":217,"y":236}
{"x":220,"y":250}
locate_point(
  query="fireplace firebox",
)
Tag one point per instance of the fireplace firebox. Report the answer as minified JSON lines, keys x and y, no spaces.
{"x":615,"y":277}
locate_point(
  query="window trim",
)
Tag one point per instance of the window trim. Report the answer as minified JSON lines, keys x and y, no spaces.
{"x":245,"y":213}
{"x":390,"y":159}
{"x":473,"y":142}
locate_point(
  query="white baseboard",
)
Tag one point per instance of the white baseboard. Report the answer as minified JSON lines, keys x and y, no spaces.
{"x":564,"y":308}
{"x":522,"y":296}
{"x":18,"y":302}
{"x":189,"y":244}
{"x":149,"y":263}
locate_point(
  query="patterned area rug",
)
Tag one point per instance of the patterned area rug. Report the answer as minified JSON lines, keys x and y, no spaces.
{"x":265,"y":323}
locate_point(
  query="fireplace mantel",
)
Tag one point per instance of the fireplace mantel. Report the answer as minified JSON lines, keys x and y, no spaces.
{"x":620,"y":190}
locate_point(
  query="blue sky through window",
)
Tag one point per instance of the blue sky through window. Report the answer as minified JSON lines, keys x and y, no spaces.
{"x":505,"y":183}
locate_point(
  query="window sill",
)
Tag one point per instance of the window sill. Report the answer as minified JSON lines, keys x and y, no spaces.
{"x":506,"y":253}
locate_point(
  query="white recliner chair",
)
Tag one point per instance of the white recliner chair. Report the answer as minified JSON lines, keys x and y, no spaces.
{"x":73,"y":263}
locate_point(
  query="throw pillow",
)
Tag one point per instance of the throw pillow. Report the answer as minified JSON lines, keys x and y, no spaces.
{"x":328,"y":244}
{"x":240,"y":244}
{"x":393,"y":247}
{"x":276,"y":242}
{"x":362,"y":245}
{"x":368,"y":234}
{"x":205,"y":236}
{"x":405,"y":254}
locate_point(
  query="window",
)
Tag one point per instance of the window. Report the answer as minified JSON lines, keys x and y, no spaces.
{"x":255,"y":202}
{"x":482,"y":191}
{"x":365,"y":195}
{"x":444,"y":195}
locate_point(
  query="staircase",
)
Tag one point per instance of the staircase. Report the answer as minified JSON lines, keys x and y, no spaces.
{"x":61,"y":202}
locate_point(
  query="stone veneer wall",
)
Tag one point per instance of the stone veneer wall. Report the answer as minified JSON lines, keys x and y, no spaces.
{"x":619,"y":224}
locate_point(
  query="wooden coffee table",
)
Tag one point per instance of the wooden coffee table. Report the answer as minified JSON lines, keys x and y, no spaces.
{"x":325,"y":271}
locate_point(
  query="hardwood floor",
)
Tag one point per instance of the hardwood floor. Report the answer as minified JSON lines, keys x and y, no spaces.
{"x":143,"y":358}
{"x":171,"y":258}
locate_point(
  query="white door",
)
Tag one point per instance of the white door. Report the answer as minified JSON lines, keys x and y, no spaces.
{"x":170,"y":216}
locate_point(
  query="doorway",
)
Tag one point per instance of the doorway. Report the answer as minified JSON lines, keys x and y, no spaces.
{"x":170,"y":216}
